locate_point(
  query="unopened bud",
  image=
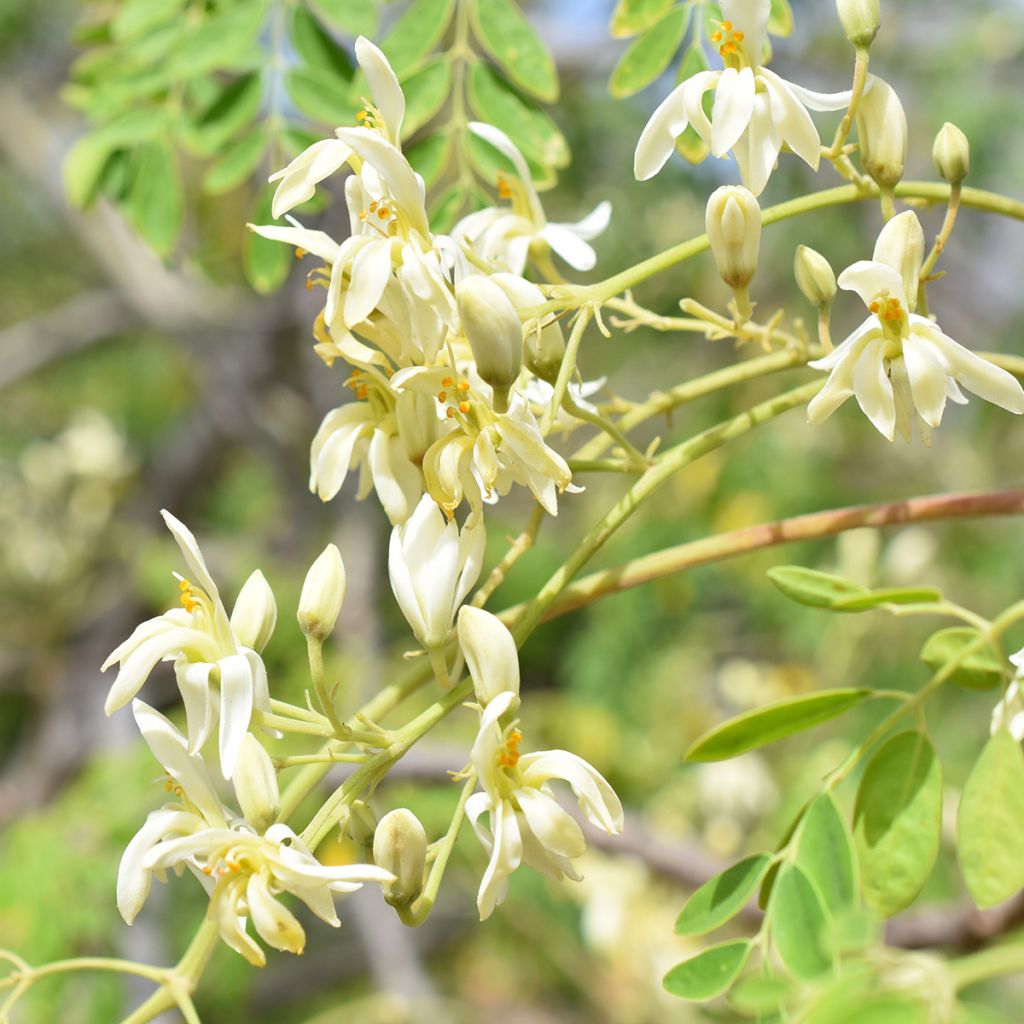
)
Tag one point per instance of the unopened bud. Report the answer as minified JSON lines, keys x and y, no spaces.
{"x":361,"y":823}
{"x":255,"y":783}
{"x":400,"y":846}
{"x":882,"y":131}
{"x":544,"y":349}
{"x":814,"y":276}
{"x":323,"y":593}
{"x":952,"y":154}
{"x":900,"y":245}
{"x":495,"y":334}
{"x":734,"y":227}
{"x":860,"y":19}
{"x":490,"y":653}
{"x":255,"y":613}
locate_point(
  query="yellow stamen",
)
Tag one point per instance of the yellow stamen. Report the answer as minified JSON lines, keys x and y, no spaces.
{"x":383,"y":213}
{"x":450,"y":412}
{"x":726,"y":26}
{"x":442,"y":396}
{"x":464,"y":408}
{"x":299,"y":253}
{"x":463,"y":386}
{"x":509,"y":757}
{"x":447,"y":382}
{"x":716,"y":37}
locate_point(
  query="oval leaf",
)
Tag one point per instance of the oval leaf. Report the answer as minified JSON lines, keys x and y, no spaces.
{"x":648,"y":57}
{"x":799,"y":923}
{"x":897,"y":822}
{"x":155,"y":204}
{"x":634,"y":16}
{"x":813,"y":588}
{"x":315,"y":45}
{"x":990,"y":823}
{"x":356,"y":17}
{"x":416,"y":33}
{"x":982,"y":670}
{"x":825,"y":852}
{"x":266,"y":262}
{"x":237,"y":163}
{"x":889,"y":595}
{"x":709,"y":973}
{"x":721,"y":898}
{"x":774,"y":722}
{"x":425,"y":93}
{"x":429,"y":157}
{"x":515,"y":46}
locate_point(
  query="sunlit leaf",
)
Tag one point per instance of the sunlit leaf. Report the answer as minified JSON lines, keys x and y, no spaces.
{"x":780,"y":21}
{"x":356,"y":17}
{"x":634,"y":16}
{"x":799,"y":924}
{"x":813,"y":588}
{"x":416,"y":33}
{"x":648,"y":56}
{"x":236,"y":163}
{"x":425,"y":93}
{"x":230,"y":111}
{"x":721,"y":898}
{"x":513,"y":42}
{"x":321,"y":96}
{"x":430,"y":156}
{"x":982,"y":670}
{"x":316,"y":47}
{"x":825,"y":852}
{"x":709,"y":973}
{"x":155,"y":204}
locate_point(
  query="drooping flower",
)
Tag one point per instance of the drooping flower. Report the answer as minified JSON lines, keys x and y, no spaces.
{"x":504,"y":236}
{"x":755,"y":110}
{"x":243,"y":871}
{"x":527,"y":825}
{"x":209,"y":651}
{"x":899,"y":365}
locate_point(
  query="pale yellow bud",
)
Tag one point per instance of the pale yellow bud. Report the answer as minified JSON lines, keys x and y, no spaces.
{"x":495,"y":334}
{"x":323,"y":593}
{"x":734,"y":227}
{"x":900,"y":245}
{"x":490,"y":653}
{"x":361,"y":823}
{"x":255,"y":783}
{"x":400,"y":846}
{"x":255,"y":613}
{"x":952,"y":154}
{"x":861,"y":20}
{"x":543,"y":350}
{"x":882,"y":131}
{"x":814,"y":276}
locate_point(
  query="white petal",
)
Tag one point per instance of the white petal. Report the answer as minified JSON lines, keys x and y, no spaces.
{"x":193,"y":556}
{"x":794,"y":123}
{"x":658,"y":139}
{"x":236,"y":700}
{"x":319,"y":243}
{"x":133,"y":879}
{"x":751,"y":18}
{"x":555,"y":828}
{"x":300,"y":178}
{"x":820,"y":100}
{"x":594,"y":223}
{"x":397,"y":481}
{"x":927,"y":378}
{"x":276,"y":925}
{"x":402,"y":585}
{"x":758,"y":150}
{"x":869,"y":279}
{"x":504,"y":145}
{"x":490,"y":653}
{"x":597,"y":799}
{"x":384,"y":88}
{"x":574,"y":250}
{"x":472,"y":543}
{"x":371,"y":271}
{"x":197,"y":696}
{"x":505,"y":858}
{"x":734,"y":105}
{"x":873,"y":388}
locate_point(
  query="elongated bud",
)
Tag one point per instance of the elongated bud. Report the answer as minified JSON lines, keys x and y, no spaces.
{"x":734,"y":227}
{"x":494,"y":332}
{"x":323,"y":593}
{"x":861,"y":20}
{"x":400,"y":846}
{"x":255,"y":613}
{"x":900,"y":245}
{"x":952,"y":154}
{"x":543,"y":350}
{"x":814,"y":277}
{"x":255,"y":783}
{"x":882,"y":131}
{"x":490,"y":653}
{"x":361,"y":824}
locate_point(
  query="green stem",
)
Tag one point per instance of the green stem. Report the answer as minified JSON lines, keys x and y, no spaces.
{"x":566,"y":370}
{"x":636,"y":460}
{"x":990,"y":963}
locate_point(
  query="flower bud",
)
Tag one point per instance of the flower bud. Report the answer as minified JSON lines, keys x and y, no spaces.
{"x":952,"y":154}
{"x":361,"y":823}
{"x":734,"y":227}
{"x":860,"y":19}
{"x":255,"y":613}
{"x":490,"y":653}
{"x":400,"y":846}
{"x":255,"y":783}
{"x":544,"y":349}
{"x":814,"y":276}
{"x":495,"y":334}
{"x":322,"y":594}
{"x":900,"y":245}
{"x":882,"y":131}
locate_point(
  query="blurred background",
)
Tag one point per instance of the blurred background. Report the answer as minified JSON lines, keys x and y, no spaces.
{"x":131,"y":383}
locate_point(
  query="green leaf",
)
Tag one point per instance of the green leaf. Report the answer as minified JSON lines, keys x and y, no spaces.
{"x":315,"y":45}
{"x":83,"y":169}
{"x":232,"y":109}
{"x":155,"y":204}
{"x":690,"y":145}
{"x":489,"y":163}
{"x":425,"y":93}
{"x":709,"y":973}
{"x":813,"y":588}
{"x":356,"y":17}
{"x":137,"y":17}
{"x":238,"y":161}
{"x":897,"y":822}
{"x":649,"y":55}
{"x":321,"y":96}
{"x":889,"y":595}
{"x":982,"y":670}
{"x":760,"y":993}
{"x":721,"y":898}
{"x":780,"y":21}
{"x":799,"y":923}
{"x":990,"y":823}
{"x":774,"y":722}
{"x":221,"y":41}
{"x":634,"y":16}
{"x":429,"y":157}
{"x":514,"y":44}
{"x":266,"y":263}
{"x":536,"y":135}
{"x":446,"y":208}
{"x":416,"y":33}
{"x":825,"y":852}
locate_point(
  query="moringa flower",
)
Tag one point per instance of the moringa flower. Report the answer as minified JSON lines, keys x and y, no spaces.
{"x":900,"y":365}
{"x":527,"y":824}
{"x":243,"y":871}
{"x":755,"y":111}
{"x":208,"y":650}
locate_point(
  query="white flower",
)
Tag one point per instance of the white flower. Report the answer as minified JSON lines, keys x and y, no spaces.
{"x":503,"y":236}
{"x":527,"y":824}
{"x":900,"y":365}
{"x":490,"y":652}
{"x":208,"y":654}
{"x":755,"y":111}
{"x":243,"y":871}
{"x":433,"y":566}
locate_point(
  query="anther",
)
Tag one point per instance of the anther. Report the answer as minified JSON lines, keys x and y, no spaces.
{"x":447,"y":382}
{"x":463,"y":386}
{"x":299,"y":252}
{"x":874,"y":307}
{"x":442,"y":396}
{"x":383,"y":213}
{"x":464,"y":408}
{"x":450,"y":412}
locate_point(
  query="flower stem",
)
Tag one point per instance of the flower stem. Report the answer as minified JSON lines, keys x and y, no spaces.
{"x":989,"y":963}
{"x":315,"y":647}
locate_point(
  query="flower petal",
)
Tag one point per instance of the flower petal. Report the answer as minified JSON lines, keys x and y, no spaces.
{"x":597,"y":799}
{"x":574,"y":250}
{"x":236,"y":701}
{"x":197,"y":696}
{"x":791,"y":118}
{"x":873,"y":388}
{"x":133,"y":879}
{"x":758,"y":150}
{"x":505,"y":858}
{"x":658,"y":139}
{"x":927,"y":378}
{"x":869,"y":279}
{"x":384,"y":88}
{"x":371,"y":271}
{"x":319,"y":243}
{"x":274,"y":922}
{"x":556,"y":830}
{"x":734,"y":105}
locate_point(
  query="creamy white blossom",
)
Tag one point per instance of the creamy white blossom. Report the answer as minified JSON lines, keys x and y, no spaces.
{"x":527,"y":825}
{"x":504,"y":235}
{"x":899,"y":365}
{"x":209,"y":655}
{"x":755,"y":111}
{"x":243,"y":871}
